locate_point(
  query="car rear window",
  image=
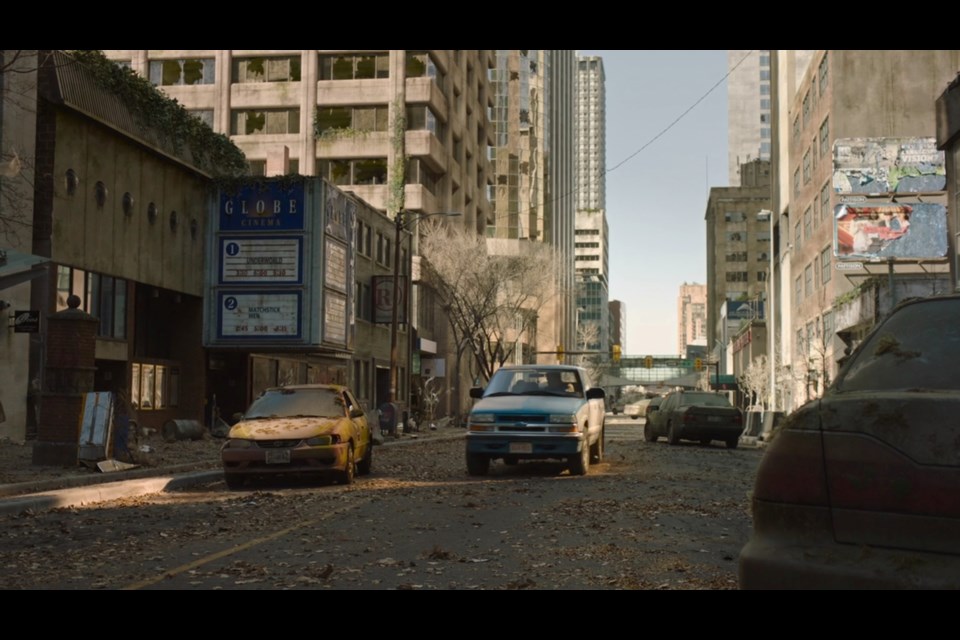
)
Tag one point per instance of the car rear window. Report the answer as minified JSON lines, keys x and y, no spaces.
{"x":916,"y":348}
{"x":706,"y":399}
{"x":288,"y":403}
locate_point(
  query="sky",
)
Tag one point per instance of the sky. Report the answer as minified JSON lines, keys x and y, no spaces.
{"x":666,"y":147}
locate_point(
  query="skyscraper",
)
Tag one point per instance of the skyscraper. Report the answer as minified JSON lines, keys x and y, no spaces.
{"x":592,"y":244}
{"x":748,"y":97}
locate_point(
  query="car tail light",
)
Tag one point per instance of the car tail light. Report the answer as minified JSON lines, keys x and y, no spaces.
{"x":792,"y":470}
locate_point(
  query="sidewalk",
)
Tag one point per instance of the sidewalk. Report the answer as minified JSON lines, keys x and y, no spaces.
{"x":172,"y":466}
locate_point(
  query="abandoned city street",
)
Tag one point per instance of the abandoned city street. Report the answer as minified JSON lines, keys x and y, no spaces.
{"x":650,"y":516}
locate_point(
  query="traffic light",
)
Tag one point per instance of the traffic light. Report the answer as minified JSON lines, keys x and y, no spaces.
{"x":616,"y":353}
{"x":698,"y":364}
{"x":648,"y":362}
{"x":560,"y":353}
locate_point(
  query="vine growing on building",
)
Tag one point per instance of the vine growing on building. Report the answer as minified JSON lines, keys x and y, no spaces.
{"x":212,"y":152}
{"x":395,"y":201}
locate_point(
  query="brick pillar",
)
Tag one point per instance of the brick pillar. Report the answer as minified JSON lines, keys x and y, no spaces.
{"x":70,"y":366}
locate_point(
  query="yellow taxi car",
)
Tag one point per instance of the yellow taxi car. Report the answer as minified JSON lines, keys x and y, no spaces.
{"x":299,"y":430}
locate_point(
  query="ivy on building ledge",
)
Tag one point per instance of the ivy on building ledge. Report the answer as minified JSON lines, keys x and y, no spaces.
{"x":212,"y":152}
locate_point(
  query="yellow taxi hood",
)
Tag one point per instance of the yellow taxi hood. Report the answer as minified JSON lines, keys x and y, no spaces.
{"x":284,"y":428}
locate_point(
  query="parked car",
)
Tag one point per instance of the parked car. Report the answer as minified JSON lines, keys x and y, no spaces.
{"x":652,"y":407}
{"x":860,"y":489}
{"x":300,"y":430}
{"x":536,"y":412}
{"x":704,"y":416}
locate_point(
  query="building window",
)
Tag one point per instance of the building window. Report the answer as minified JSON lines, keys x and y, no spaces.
{"x":825,"y":209}
{"x":154,"y":386}
{"x":422,"y":118}
{"x":806,"y":110}
{"x":798,"y":290}
{"x":365,"y":66}
{"x":807,"y":223}
{"x":737,"y":256}
{"x":825,"y":137}
{"x":823,"y":74}
{"x":796,"y":235}
{"x":738,"y":276}
{"x":825,"y":265}
{"x":260,"y":69}
{"x":806,"y":167}
{"x":734,"y":216}
{"x":262,"y":122}
{"x":104,"y":297}
{"x":360,"y":119}
{"x":736,"y":236}
{"x":761,"y":276}
{"x":796,"y":127}
{"x":808,"y":281}
{"x":828,"y":327}
{"x":796,"y":183}
{"x":371,"y":171}
{"x":184,"y":71}
{"x":419,"y":173}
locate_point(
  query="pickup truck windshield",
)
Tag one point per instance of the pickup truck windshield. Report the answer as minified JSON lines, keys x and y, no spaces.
{"x":529,"y":381}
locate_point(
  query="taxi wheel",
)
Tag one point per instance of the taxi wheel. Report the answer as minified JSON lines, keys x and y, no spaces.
{"x":363,"y":468}
{"x":349,"y":469}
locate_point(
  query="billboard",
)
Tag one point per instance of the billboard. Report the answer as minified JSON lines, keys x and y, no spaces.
{"x":890,"y":231}
{"x":888,"y":165}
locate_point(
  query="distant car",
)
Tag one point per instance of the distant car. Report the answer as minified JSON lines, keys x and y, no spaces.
{"x":860,"y":489}
{"x":703,"y":416}
{"x":634,"y":409}
{"x":299,"y":430}
{"x":536,"y":412}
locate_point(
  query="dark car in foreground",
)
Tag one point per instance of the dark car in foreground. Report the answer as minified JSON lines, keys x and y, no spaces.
{"x":536,"y":412}
{"x":860,"y":489}
{"x":315,"y":430}
{"x":703,"y":416}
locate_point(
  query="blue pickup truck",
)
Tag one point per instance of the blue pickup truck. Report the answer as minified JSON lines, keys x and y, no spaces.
{"x":536,"y":412}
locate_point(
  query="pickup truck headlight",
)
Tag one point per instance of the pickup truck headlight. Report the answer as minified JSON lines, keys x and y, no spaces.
{"x":480,"y":422}
{"x":566,"y":423}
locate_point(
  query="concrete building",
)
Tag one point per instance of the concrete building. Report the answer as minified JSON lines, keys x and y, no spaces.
{"x":691,"y":317}
{"x":592,"y":232}
{"x":738,"y":249}
{"x":855,"y":145}
{"x":533,"y":199}
{"x":749,"y":128}
{"x":618,"y":324}
{"x":332,"y":114}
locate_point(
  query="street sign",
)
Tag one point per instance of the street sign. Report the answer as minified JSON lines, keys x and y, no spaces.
{"x":849,"y":266}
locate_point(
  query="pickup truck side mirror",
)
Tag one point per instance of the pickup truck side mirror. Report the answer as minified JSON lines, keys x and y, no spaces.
{"x":476,"y":392}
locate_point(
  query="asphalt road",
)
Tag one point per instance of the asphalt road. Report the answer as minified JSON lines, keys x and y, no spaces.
{"x":651,"y":516}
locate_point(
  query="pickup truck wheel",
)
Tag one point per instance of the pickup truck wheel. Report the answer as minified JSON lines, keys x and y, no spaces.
{"x":477,"y":465}
{"x":672,"y":436}
{"x":581,"y":464}
{"x":733,"y":442}
{"x":648,"y":433}
{"x":596,"y":449}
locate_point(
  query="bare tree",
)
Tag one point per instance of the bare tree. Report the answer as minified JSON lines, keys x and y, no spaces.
{"x":755,"y":381}
{"x":18,"y":94}
{"x":492,"y":296}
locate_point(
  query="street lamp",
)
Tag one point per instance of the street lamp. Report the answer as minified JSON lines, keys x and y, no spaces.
{"x":401,"y":222}
{"x":771,"y":303}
